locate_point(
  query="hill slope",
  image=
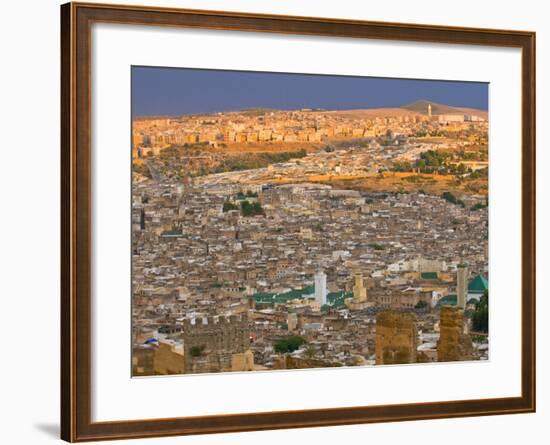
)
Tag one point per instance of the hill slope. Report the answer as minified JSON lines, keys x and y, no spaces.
{"x":421,"y":107}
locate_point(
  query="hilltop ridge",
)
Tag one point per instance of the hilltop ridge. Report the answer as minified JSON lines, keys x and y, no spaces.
{"x":417,"y":107}
{"x":421,"y":107}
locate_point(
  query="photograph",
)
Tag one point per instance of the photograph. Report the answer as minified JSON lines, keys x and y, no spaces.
{"x":275,"y":222}
{"x":285,"y":221}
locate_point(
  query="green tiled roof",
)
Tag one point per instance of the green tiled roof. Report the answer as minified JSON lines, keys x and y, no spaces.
{"x":428,"y":275}
{"x":478,"y":285}
{"x":171,"y":233}
{"x":297,"y":293}
{"x":449,"y":300}
{"x":272,"y":298}
{"x":337,"y":299}
{"x":334,"y":299}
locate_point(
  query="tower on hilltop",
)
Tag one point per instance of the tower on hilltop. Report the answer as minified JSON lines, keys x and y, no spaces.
{"x":429,"y":110}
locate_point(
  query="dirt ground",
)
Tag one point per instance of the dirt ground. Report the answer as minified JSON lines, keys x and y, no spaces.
{"x":399,"y":182}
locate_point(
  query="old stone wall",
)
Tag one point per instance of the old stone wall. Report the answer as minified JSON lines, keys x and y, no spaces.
{"x":242,"y":361}
{"x":396,"y":338}
{"x":209,"y":346}
{"x":143,"y":361}
{"x":302,"y":363}
{"x":167,"y":361}
{"x":453,"y":343}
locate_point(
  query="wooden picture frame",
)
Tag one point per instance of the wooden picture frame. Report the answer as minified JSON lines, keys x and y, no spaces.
{"x":76,"y":221}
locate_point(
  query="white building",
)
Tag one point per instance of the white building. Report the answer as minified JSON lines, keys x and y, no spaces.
{"x":320,"y":287}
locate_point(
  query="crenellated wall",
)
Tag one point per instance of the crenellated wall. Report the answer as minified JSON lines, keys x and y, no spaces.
{"x":210,"y":344}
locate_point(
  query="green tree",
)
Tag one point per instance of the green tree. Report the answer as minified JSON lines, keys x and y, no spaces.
{"x":289,"y":344}
{"x":196,"y":351}
{"x":448,"y":196}
{"x":421,"y":305}
{"x":376,"y":246}
{"x":477,"y":206}
{"x":227,"y":206}
{"x":480,"y":317}
{"x":251,"y":209}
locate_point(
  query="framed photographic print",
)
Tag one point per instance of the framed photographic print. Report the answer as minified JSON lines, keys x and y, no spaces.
{"x":275,"y":222}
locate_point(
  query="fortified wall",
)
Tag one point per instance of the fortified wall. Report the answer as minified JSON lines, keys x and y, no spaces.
{"x":160,"y":359}
{"x":217,"y":345}
{"x":289,"y":362}
{"x":396,"y":338}
{"x":453,"y":343}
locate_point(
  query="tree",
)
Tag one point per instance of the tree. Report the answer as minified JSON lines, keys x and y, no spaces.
{"x":248,"y":209}
{"x":477,"y":206}
{"x":448,"y":196}
{"x":227,"y":206}
{"x":421,"y":305}
{"x":376,"y":246}
{"x":289,"y":344}
{"x":310,"y":351}
{"x":480,"y":317}
{"x":402,"y":167}
{"x":196,"y":351}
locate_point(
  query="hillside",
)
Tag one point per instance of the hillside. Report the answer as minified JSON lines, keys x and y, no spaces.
{"x":421,"y":107}
{"x":418,"y":107}
{"x":369,"y":113}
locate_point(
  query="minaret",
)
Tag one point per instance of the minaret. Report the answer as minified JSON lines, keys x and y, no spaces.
{"x":461,"y":285}
{"x":320,"y":287}
{"x":359,"y":290}
{"x":430,"y":111}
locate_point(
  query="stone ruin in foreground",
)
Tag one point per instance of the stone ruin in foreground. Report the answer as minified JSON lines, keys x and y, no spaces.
{"x":217,"y":345}
{"x":397,"y":337}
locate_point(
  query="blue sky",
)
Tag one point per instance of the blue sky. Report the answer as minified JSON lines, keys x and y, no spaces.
{"x":176,"y":91}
